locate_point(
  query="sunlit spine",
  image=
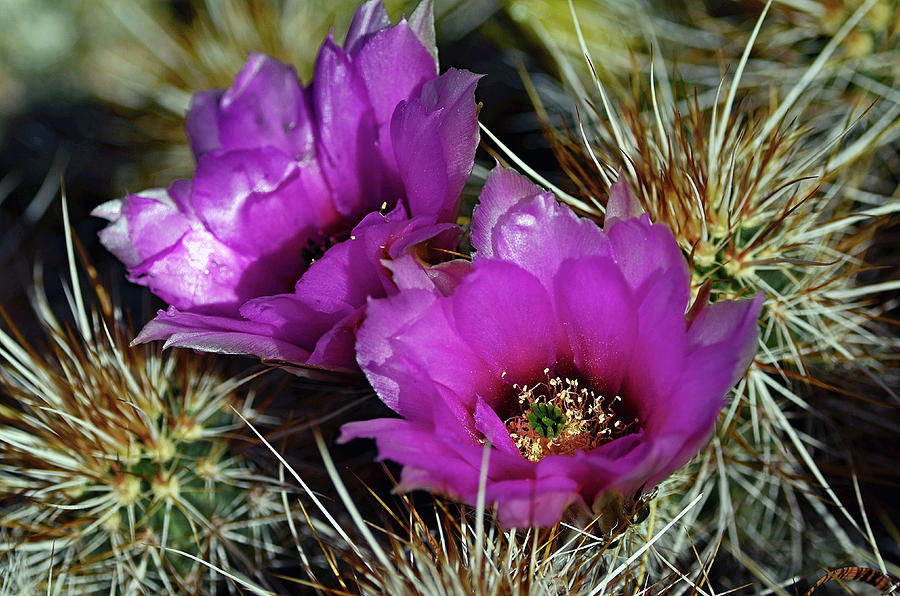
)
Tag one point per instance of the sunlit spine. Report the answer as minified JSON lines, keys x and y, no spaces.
{"x":113,"y":457}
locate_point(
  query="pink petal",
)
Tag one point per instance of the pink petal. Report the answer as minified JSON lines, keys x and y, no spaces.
{"x":731,"y":324}
{"x":659,"y":352}
{"x":539,"y":234}
{"x":434,"y":139}
{"x":219,"y":334}
{"x":598,"y":313}
{"x":503,"y":189}
{"x":645,"y":251}
{"x":622,"y":204}
{"x":393,"y":64}
{"x":398,"y":350}
{"x":369,"y":18}
{"x":530,"y":503}
{"x":267,"y":107}
{"x":505,"y":316}
{"x":347,"y":133}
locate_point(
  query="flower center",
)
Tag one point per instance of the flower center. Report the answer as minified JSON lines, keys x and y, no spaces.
{"x":560,"y":417}
{"x":316,"y":246}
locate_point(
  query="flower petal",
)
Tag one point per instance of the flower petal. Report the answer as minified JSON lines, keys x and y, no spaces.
{"x":422,"y":23}
{"x":434,"y":139}
{"x":533,"y":502}
{"x":267,"y":107}
{"x":539,"y":234}
{"x":393,"y":64}
{"x":202,"y":122}
{"x":219,"y":334}
{"x":658,"y":355}
{"x":346,"y":133}
{"x":220,"y":278}
{"x":504,"y":315}
{"x":369,"y":18}
{"x":732,"y":325}
{"x":336,"y":347}
{"x":410,"y":339}
{"x":598,"y":314}
{"x":504,"y":188}
{"x":622,"y":204}
{"x":430,"y":461}
{"x":143,"y":225}
{"x":492,"y":428}
{"x":233,"y":192}
{"x":645,"y":251}
{"x":622,"y":465}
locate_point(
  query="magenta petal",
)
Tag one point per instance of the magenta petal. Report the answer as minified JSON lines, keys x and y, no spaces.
{"x":732,"y":324}
{"x":622,"y":204}
{"x":492,"y":428}
{"x":447,"y":276}
{"x":504,"y":188}
{"x":539,"y":234}
{"x":422,"y":24}
{"x":434,"y":139}
{"x":396,"y":348}
{"x":384,"y":361}
{"x":517,"y":340}
{"x":408,"y":273}
{"x":623,"y":464}
{"x":416,"y":231}
{"x":335,"y":348}
{"x":219,"y":334}
{"x":292,"y":318}
{"x":692,"y":406}
{"x":369,"y":18}
{"x":219,"y":278}
{"x":352,"y":271}
{"x":528,"y":503}
{"x":367,"y":429}
{"x":687,"y":419}
{"x":660,"y":347}
{"x":142,"y":226}
{"x":181,"y":261}
{"x":235,"y":190}
{"x":344,"y":277}
{"x":394,"y":65}
{"x":645,"y":251}
{"x":598,"y":313}
{"x":430,"y":462}
{"x":266,"y":107}
{"x":329,"y":300}
{"x":202,"y":122}
{"x":346,"y":132}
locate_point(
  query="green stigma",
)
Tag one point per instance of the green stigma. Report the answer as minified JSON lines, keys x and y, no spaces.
{"x":546,"y":420}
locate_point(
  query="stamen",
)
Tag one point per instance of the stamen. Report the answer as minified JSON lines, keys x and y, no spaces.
{"x":559,"y":417}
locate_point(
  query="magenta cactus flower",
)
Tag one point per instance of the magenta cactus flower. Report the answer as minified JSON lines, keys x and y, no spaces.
{"x":567,"y":349}
{"x":287,"y":181}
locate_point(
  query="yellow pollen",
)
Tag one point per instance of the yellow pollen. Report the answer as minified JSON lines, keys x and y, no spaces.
{"x":589,"y":419}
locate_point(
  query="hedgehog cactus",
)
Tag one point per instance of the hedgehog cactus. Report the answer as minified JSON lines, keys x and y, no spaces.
{"x":112,"y":458}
